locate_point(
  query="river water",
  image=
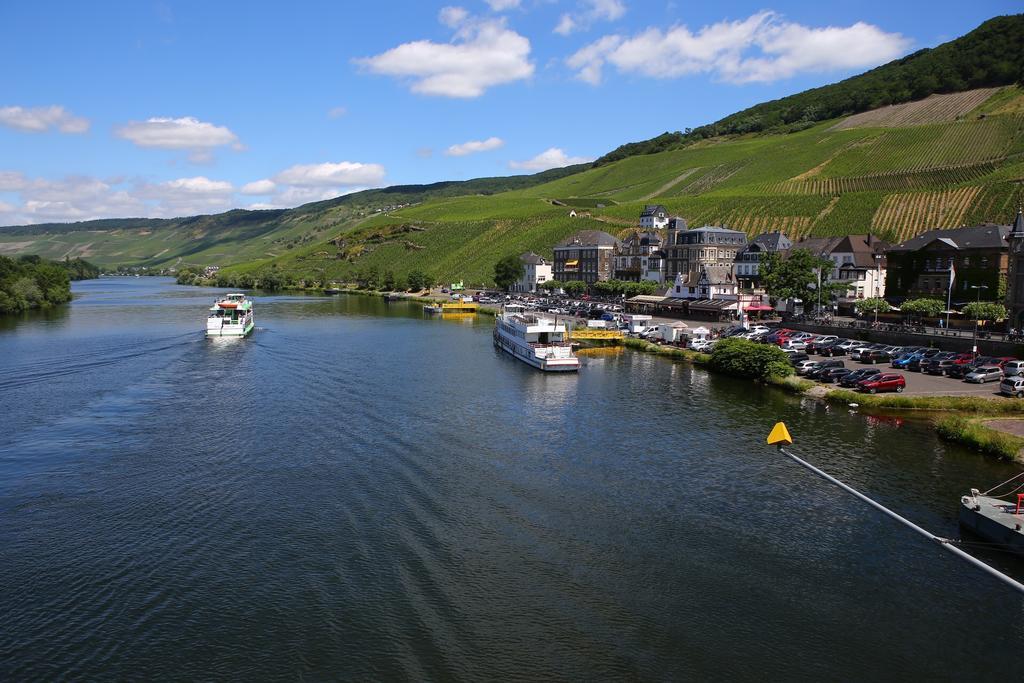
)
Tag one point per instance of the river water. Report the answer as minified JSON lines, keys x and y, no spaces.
{"x":358,"y":492}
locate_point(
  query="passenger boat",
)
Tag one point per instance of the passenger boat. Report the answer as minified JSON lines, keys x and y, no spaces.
{"x":230,"y":316}
{"x":540,"y":342}
{"x":994,"y":519}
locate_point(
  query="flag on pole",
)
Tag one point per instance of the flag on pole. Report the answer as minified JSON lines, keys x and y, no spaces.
{"x":952,"y":275}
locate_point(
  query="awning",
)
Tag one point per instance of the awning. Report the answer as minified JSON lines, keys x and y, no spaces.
{"x":572,"y":264}
{"x":711,"y":305}
{"x":758,"y":307}
{"x":646,"y":299}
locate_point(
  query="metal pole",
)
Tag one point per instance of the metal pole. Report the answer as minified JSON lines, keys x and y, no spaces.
{"x":943,"y":542}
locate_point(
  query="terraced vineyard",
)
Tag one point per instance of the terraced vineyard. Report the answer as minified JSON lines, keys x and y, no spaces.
{"x":932,"y":109}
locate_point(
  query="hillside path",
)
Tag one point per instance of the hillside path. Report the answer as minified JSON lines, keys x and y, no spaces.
{"x":672,"y":183}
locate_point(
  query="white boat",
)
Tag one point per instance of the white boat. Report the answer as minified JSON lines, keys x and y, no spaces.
{"x":540,"y":342}
{"x":230,"y":316}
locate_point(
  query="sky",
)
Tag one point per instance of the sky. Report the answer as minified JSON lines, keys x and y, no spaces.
{"x":129,"y":109}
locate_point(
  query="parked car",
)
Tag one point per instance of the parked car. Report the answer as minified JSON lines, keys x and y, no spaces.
{"x":1012,"y":386}
{"x":703,"y":345}
{"x":914,"y":364}
{"x":883,"y":382}
{"x":874,"y":356}
{"x":848,"y":345}
{"x":805,"y":366}
{"x":938,"y":366}
{"x":855,"y":377}
{"x":822,"y":367}
{"x":798,"y":357}
{"x":1014,"y":368}
{"x":985,"y":373}
{"x":818,"y":343}
{"x":961,"y":371}
{"x":793,"y":345}
{"x":833,"y":375}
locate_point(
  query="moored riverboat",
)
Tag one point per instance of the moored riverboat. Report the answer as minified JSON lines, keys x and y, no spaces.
{"x":230,"y":316}
{"x":540,"y":342}
{"x":994,"y":519}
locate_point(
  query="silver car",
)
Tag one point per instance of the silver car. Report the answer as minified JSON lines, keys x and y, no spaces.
{"x":986,"y":373}
{"x":1014,"y":368}
{"x":1012,"y":386}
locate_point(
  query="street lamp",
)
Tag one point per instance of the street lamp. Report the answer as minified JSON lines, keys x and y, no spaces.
{"x":974,"y":339}
{"x":878,"y":277}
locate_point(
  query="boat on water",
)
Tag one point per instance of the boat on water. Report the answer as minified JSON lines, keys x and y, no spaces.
{"x":230,"y":316}
{"x":462,"y":305}
{"x":994,"y":519}
{"x":540,"y":342}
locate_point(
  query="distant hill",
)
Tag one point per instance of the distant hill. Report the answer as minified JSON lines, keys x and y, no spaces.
{"x":239,"y":235}
{"x":989,"y":56}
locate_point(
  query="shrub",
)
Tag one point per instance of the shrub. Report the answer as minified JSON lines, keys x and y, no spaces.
{"x":744,"y":358}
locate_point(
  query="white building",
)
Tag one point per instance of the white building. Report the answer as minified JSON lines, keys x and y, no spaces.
{"x":653,"y":217}
{"x":858,"y":262}
{"x":536,"y":271}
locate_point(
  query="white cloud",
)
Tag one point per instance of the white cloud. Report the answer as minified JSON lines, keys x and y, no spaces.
{"x":337,"y":112}
{"x":12,"y":181}
{"x":553,"y":157}
{"x":761,"y":48}
{"x":329,"y":174}
{"x":41,"y":119}
{"x":483,"y":54}
{"x":590,"y":12}
{"x":566,"y":25}
{"x":452,"y":17}
{"x":264,"y":186}
{"x":474,"y":146}
{"x":502,"y":5}
{"x":186,"y":133}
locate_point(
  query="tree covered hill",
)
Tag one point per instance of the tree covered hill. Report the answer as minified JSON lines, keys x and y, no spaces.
{"x":990,"y":55}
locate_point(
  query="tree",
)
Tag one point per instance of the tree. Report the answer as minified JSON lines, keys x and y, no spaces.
{"x":926,"y":308}
{"x":575,"y":287}
{"x":508,"y":271}
{"x":418,"y":280}
{"x":796,"y":277}
{"x":873,"y":305}
{"x":744,"y":358}
{"x":551,"y":285}
{"x":984,"y":310}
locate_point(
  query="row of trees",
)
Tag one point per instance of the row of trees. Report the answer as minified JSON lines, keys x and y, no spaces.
{"x":30,"y":282}
{"x":272,"y":280}
{"x":933,"y":308}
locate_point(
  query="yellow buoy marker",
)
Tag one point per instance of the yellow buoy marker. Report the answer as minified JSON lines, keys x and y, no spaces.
{"x":780,"y":435}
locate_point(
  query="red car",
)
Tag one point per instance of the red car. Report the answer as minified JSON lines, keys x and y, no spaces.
{"x":963,"y":359}
{"x":883,"y":382}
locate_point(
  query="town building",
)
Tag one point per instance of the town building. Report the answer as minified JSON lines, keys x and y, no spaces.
{"x":687,"y":252}
{"x":859,"y":262}
{"x":588,"y":255}
{"x":748,"y":261}
{"x":653,"y":217}
{"x":976,"y":257}
{"x":1015,"y":274}
{"x":536,"y":271}
{"x":639,"y":257}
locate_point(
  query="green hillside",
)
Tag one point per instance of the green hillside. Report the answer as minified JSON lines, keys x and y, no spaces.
{"x":236,"y":236}
{"x":825,"y":180}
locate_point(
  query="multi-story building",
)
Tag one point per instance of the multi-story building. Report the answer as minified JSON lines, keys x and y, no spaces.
{"x":1015,"y":274}
{"x":748,"y":261}
{"x":859,"y":262}
{"x":536,"y":271}
{"x":976,"y":257}
{"x":653,"y":217}
{"x":588,"y":255}
{"x":639,"y":257}
{"x":688,"y":251}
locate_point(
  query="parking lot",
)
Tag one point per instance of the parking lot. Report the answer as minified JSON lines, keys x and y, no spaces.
{"x":923,"y":384}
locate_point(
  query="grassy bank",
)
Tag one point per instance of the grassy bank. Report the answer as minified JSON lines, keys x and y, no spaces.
{"x":670,"y":351}
{"x":960,"y":404}
{"x":971,"y":433}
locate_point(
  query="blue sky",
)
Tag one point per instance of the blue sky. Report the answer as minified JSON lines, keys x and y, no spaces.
{"x":170,"y":108}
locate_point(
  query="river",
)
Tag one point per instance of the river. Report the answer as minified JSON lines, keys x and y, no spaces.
{"x":359,"y":492}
